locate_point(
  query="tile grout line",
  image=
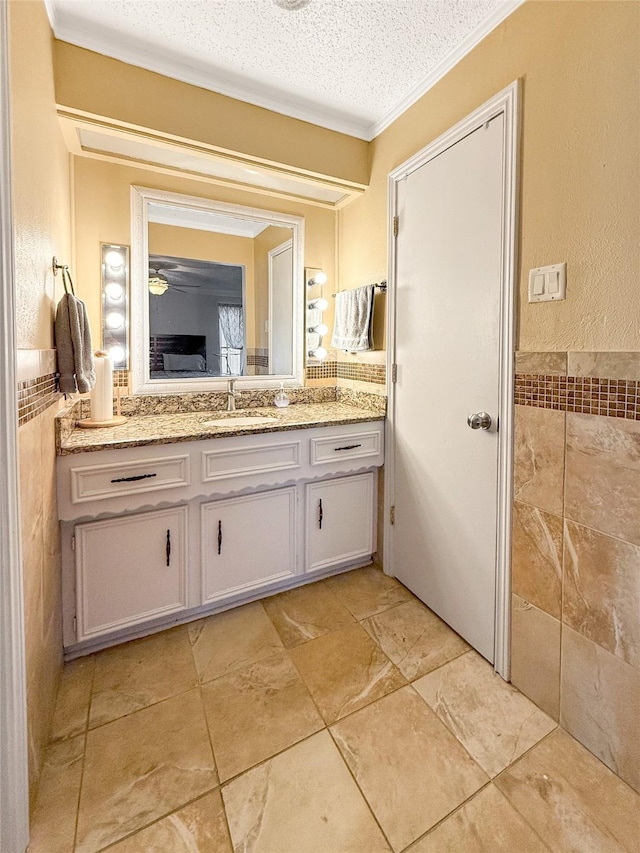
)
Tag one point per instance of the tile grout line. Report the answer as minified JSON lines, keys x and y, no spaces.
{"x":357,"y":784}
{"x":513,"y":763}
{"x":564,"y":551}
{"x":84,"y":755}
{"x":162,"y":817}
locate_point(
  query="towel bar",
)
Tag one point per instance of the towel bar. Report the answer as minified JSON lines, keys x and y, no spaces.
{"x":382,"y":285}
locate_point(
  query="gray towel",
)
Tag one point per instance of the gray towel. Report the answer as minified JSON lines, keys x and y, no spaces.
{"x":353,"y":324}
{"x":73,"y":343}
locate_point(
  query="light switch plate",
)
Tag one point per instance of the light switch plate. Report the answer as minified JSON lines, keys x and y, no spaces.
{"x":548,"y":284}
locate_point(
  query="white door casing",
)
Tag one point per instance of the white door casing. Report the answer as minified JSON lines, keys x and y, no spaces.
{"x":14,"y":794}
{"x":422,"y":394}
{"x":280,"y":284}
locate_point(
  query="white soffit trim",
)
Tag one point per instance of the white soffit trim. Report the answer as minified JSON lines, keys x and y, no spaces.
{"x":474,"y":38}
{"x":204,"y":220}
{"x":126,"y":50}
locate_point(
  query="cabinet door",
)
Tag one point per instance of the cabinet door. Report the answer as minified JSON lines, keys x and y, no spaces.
{"x":247,"y":542}
{"x":339,"y":521}
{"x":129,"y":570}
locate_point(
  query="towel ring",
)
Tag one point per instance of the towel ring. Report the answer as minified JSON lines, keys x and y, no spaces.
{"x":66,"y":275}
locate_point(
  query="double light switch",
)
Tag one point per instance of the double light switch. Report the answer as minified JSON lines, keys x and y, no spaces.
{"x":548,"y":284}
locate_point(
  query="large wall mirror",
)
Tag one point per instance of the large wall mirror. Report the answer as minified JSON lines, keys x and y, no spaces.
{"x":217,"y":293}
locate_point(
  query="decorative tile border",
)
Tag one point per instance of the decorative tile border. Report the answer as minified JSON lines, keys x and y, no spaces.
{"x":594,"y":383}
{"x":614,"y":398}
{"x":376,"y":373}
{"x":258,"y":357}
{"x":35,"y":396}
{"x":121,"y":378}
{"x":322,"y":370}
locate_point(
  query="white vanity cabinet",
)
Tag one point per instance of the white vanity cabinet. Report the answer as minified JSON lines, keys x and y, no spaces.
{"x":339,"y":519}
{"x":236,"y":517}
{"x":130,"y":570}
{"x":247,"y":542}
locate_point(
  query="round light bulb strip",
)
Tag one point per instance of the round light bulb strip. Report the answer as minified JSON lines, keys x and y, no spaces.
{"x":317,"y":278}
{"x":115,"y":297}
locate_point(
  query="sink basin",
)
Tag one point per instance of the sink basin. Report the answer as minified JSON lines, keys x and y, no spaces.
{"x":247,"y":420}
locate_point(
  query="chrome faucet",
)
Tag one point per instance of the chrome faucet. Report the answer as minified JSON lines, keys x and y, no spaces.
{"x":231,"y":396}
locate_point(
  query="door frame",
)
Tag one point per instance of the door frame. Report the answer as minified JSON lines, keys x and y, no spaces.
{"x":14,"y":790}
{"x":507,"y":103}
{"x":273,"y":253}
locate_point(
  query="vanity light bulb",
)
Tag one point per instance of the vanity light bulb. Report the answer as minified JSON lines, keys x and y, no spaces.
{"x":117,"y":354}
{"x":113,"y":259}
{"x":319,"y":352}
{"x":319,"y":304}
{"x":114,"y":291}
{"x":321,"y":329}
{"x":114,"y":320}
{"x":320,"y":278}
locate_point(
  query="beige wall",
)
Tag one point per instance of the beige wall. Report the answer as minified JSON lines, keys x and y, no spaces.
{"x":40,"y":165}
{"x":138,"y":97}
{"x":580,"y":193}
{"x":40,"y":186}
{"x":207,"y":246}
{"x":102,"y":215}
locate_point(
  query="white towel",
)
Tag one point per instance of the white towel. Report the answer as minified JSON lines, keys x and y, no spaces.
{"x":73,"y":344}
{"x":353,"y":324}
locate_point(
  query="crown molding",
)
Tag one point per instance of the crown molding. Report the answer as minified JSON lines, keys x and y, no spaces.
{"x":141,"y":55}
{"x":506,"y":8}
{"x":198,"y":74}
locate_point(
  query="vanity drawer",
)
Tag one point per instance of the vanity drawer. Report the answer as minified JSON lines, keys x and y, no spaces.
{"x":240,"y":461}
{"x":348,"y":446}
{"x":98,"y":482}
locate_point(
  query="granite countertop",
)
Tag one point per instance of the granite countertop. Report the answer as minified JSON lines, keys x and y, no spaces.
{"x":165,"y":428}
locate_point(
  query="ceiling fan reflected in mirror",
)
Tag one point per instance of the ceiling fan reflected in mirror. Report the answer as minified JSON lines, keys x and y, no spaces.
{"x":159,"y":284}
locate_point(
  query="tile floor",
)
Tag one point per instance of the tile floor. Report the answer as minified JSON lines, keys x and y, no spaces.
{"x":342,"y":717}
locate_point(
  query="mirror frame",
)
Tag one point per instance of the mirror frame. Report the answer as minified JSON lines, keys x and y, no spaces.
{"x":142,"y":383}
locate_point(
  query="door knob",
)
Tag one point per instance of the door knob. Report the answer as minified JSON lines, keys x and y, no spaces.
{"x":481,"y":420}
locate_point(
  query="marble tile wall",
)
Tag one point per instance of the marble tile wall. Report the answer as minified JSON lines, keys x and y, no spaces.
{"x":40,"y":554}
{"x":576,"y":548}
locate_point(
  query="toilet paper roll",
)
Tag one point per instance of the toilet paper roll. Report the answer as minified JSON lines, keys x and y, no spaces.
{"x":102,"y":393}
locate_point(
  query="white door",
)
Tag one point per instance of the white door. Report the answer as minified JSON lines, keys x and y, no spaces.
{"x":280,"y":308}
{"x":248,"y":542}
{"x":448,"y":320}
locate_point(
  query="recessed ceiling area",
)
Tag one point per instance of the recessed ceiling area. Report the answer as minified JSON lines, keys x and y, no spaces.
{"x":97,"y":139}
{"x":348,"y":65}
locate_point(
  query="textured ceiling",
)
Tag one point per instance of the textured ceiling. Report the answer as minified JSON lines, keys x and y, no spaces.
{"x":348,"y":64}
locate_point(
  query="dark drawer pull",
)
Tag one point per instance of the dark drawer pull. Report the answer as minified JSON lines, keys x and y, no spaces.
{"x":348,"y":447}
{"x":320,"y":515}
{"x":220,"y":536}
{"x":133,"y":479}
{"x":168,"y":549}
